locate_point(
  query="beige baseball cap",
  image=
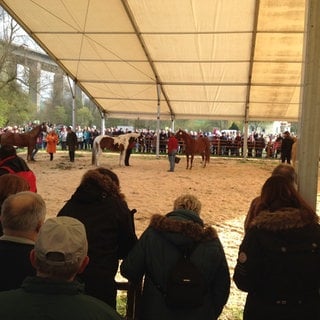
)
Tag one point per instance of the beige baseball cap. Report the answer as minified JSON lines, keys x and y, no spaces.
{"x":61,"y":240}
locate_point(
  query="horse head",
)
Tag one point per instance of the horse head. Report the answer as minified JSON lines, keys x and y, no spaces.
{"x":180,"y":134}
{"x":44,"y":127}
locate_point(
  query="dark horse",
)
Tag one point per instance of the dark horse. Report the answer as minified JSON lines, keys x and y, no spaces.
{"x":119,"y":143}
{"x":26,"y":139}
{"x":200,"y":145}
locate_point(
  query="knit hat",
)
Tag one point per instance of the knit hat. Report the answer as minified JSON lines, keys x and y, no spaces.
{"x":61,"y":241}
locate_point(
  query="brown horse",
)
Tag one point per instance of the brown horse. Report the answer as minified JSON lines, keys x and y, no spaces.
{"x":200,"y":146}
{"x":26,"y":139}
{"x":119,"y":143}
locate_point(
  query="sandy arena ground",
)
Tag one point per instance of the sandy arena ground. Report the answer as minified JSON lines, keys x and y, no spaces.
{"x":225,"y":188}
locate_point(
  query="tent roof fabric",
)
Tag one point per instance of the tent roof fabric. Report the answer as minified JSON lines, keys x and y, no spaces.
{"x":208,"y":59}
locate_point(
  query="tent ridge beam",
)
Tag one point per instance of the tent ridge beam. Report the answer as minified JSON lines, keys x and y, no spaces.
{"x":201,"y":84}
{"x":147,"y":53}
{"x":178,"y":61}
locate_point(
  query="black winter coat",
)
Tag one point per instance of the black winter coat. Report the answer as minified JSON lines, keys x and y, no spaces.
{"x":154,"y":255}
{"x":279,"y":266}
{"x":110,"y":232}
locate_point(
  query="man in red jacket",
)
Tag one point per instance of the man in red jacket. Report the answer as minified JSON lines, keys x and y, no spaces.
{"x":172,"y":150}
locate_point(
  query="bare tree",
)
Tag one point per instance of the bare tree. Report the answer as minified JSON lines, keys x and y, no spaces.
{"x":9,"y":30}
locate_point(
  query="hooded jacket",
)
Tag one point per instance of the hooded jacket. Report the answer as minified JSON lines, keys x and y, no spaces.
{"x":110,"y":232}
{"x":154,"y":255}
{"x":278,"y":265}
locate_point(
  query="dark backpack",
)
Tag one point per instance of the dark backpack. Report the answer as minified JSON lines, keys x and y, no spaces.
{"x":185,"y":283}
{"x":27,"y":175}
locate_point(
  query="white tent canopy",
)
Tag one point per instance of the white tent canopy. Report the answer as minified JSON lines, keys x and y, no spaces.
{"x":213,"y":59}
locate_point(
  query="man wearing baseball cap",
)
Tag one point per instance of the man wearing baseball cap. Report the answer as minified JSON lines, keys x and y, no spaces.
{"x":59,"y":254}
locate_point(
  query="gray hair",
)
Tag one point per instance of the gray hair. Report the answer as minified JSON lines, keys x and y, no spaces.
{"x":23,"y":211}
{"x":187,"y":202}
{"x":59,"y":272}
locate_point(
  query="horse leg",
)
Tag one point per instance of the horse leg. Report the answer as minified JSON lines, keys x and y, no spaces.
{"x":33,"y":153}
{"x":191,"y":161}
{"x":120,"y":158}
{"x":187,"y":161}
{"x":29,"y":153}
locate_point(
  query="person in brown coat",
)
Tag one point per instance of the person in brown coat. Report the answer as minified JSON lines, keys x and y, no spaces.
{"x":100,"y":205}
{"x":279,"y":258}
{"x":52,"y":141}
{"x":284,"y":170}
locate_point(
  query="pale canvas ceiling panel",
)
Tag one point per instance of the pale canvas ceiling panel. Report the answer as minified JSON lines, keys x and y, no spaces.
{"x":209,"y":58}
{"x":276,"y":111}
{"x":279,"y":47}
{"x":193,"y":16}
{"x":132,"y":109}
{"x":274,"y":94}
{"x":211,"y":93}
{"x":102,"y":71}
{"x":125,"y":92}
{"x":71,"y":16}
{"x":98,"y":47}
{"x":203,"y":72}
{"x":274,"y":72}
{"x":207,"y":109}
{"x":284,"y":15}
{"x":199,"y":47}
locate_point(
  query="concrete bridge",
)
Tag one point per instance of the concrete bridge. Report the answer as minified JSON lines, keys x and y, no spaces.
{"x":36,"y":62}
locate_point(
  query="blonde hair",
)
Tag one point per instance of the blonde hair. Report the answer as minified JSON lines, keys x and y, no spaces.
{"x":187,"y":202}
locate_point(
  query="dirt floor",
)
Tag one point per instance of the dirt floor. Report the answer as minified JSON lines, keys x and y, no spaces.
{"x":225,"y":188}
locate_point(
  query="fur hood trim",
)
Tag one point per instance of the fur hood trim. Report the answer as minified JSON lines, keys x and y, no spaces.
{"x":284,"y":219}
{"x":96,"y":187}
{"x":186,"y":227}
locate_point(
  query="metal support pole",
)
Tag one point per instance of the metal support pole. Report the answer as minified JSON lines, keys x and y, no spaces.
{"x":308,"y":146}
{"x":158,"y":121}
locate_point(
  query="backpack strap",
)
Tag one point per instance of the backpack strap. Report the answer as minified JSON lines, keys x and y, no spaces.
{"x":6,"y":159}
{"x":8,"y":169}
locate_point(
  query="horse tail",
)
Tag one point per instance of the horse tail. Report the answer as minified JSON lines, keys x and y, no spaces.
{"x":294,"y":152}
{"x":208,"y":153}
{"x":207,"y":149}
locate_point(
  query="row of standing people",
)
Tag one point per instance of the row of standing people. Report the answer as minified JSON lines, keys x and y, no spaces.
{"x":146,"y":143}
{"x":101,"y":207}
{"x":224,"y":145}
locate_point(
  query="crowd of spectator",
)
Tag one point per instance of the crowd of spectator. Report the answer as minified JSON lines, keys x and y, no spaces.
{"x":223,"y":143}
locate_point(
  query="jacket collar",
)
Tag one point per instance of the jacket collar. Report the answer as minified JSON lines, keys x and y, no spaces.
{"x":47,"y":286}
{"x":184,"y":222}
{"x":284,"y":219}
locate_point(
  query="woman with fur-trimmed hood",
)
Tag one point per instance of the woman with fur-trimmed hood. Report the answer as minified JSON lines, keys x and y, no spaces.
{"x":101,"y":207}
{"x":157,"y":252}
{"x":279,"y":258}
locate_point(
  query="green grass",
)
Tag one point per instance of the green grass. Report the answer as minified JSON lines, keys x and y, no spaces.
{"x":122,"y":302}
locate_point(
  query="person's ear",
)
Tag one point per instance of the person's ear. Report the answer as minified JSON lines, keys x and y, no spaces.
{"x":39,"y":225}
{"x":84,"y":264}
{"x":32,"y":257}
